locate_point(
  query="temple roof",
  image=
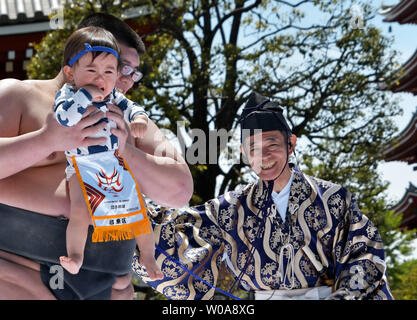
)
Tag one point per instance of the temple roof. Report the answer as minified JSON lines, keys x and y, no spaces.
{"x":407,"y":206}
{"x":408,"y":79}
{"x":404,"y":146}
{"x":13,"y":12}
{"x":411,"y":191}
{"x":29,"y":16}
{"x":26,"y":11}
{"x":403,"y":12}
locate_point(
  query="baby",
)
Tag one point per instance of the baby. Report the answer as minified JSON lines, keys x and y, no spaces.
{"x":101,"y":186}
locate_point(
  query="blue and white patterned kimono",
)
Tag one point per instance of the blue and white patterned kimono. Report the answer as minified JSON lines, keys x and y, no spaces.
{"x":333,"y":243}
{"x":71,"y":104}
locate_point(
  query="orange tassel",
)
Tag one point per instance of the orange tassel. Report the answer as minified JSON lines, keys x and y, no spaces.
{"x":117,"y":233}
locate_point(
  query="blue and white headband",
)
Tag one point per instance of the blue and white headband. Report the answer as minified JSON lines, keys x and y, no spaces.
{"x":89,"y":48}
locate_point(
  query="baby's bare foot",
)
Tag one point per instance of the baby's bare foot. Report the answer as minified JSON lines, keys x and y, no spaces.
{"x":71,"y":265}
{"x":152,"y":268}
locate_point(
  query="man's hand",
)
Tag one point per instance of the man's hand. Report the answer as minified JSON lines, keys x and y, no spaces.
{"x":63,"y":138}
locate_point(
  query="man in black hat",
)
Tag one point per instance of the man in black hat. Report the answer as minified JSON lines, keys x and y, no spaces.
{"x":267,"y":140}
{"x":285,"y":236}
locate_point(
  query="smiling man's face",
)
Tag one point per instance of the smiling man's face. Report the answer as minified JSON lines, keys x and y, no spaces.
{"x":267,"y":153}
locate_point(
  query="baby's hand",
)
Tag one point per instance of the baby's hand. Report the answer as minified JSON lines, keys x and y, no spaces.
{"x":96,"y":92}
{"x":139,"y":126}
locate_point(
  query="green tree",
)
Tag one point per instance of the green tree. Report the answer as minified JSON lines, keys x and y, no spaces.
{"x":404,"y":287}
{"x":47,"y":61}
{"x":208,"y":55}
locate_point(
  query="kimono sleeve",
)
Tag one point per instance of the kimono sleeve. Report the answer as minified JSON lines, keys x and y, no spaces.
{"x":130,"y":109}
{"x":187,"y":241}
{"x":360,"y":269}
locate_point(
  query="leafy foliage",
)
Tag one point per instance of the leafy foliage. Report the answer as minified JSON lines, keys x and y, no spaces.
{"x":209,"y":55}
{"x":405,"y":285}
{"x":47,"y":61}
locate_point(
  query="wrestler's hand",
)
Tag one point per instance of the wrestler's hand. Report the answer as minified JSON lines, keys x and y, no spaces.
{"x":122,"y":131}
{"x":62,"y":138}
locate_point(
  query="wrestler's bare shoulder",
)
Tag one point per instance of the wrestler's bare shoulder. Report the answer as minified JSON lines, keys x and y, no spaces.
{"x":24,"y":84}
{"x":31,"y":100}
{"x":15,"y":86}
{"x":10,"y":93}
{"x":25,"y":104}
{"x":18,"y":94}
{"x":25,"y":88}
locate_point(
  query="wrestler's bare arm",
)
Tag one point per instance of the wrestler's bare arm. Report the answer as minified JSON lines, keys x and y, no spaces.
{"x":32,"y":165}
{"x":22,"y":147}
{"x":162,"y":173}
{"x":18,"y":152}
{"x":166,"y":171}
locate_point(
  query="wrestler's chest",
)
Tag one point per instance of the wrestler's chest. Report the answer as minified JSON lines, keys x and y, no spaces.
{"x":35,"y":113}
{"x":33,"y":118}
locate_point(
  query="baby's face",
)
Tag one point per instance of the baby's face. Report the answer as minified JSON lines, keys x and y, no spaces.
{"x":101,"y":72}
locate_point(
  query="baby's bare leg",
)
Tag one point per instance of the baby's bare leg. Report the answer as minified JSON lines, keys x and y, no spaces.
{"x":77,"y":229}
{"x":146,"y":246}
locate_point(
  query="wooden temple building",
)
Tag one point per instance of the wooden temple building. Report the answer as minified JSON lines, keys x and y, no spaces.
{"x":21,"y":23}
{"x":404,"y":146}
